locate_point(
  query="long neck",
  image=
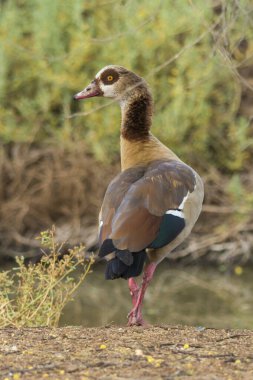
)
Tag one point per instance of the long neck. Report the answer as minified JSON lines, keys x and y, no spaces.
{"x":136,"y":112}
{"x":137,"y":144}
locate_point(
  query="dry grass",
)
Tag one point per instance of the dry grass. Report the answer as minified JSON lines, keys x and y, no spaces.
{"x":48,"y":185}
{"x":35,"y":295}
{"x":65,"y":187}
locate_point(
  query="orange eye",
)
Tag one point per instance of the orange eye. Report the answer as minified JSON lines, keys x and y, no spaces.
{"x":110,"y":78}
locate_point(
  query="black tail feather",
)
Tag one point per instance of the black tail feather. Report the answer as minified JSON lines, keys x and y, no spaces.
{"x":116,"y":268}
{"x":106,"y":248}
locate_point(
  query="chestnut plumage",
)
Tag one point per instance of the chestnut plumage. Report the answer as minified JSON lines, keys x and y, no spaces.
{"x":153,"y":204}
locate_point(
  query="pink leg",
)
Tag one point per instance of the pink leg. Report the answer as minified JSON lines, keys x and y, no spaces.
{"x":135,"y":315}
{"x":134,"y":290}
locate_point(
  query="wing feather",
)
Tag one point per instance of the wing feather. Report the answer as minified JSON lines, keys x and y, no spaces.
{"x":137,"y":200}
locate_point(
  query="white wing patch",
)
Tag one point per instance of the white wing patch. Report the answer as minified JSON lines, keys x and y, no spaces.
{"x":177,"y":213}
{"x":181,"y":206}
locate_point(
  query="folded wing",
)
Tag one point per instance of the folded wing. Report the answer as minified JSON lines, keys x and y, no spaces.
{"x":143,"y":207}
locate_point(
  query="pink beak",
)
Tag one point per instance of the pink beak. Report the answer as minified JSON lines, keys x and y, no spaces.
{"x":90,"y":91}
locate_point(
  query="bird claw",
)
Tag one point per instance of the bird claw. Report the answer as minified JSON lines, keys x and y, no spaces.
{"x":136,"y":322}
{"x":135,"y":319}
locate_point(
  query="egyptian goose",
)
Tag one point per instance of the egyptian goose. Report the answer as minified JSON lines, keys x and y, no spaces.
{"x":153,"y":204}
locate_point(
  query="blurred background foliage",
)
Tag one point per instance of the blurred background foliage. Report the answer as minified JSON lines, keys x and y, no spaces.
{"x":196,"y":56}
{"x":51,"y":49}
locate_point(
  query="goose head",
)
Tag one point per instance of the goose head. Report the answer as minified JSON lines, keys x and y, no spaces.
{"x":112,"y":82}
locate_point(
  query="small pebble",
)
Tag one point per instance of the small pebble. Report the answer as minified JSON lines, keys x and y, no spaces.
{"x":200,"y":328}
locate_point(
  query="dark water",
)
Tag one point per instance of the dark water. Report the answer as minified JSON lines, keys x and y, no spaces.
{"x":193,"y":296}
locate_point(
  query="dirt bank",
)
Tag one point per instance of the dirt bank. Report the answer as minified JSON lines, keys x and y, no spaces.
{"x":164,"y":352}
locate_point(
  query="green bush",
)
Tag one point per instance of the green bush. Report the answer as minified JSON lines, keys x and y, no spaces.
{"x":52,"y":49}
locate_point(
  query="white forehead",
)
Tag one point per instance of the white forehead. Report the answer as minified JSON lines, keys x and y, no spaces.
{"x":103,"y":69}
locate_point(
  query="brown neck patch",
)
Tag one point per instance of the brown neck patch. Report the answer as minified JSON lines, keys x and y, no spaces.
{"x":137,"y":118}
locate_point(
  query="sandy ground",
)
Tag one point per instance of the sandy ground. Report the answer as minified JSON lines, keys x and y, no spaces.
{"x":164,"y":352}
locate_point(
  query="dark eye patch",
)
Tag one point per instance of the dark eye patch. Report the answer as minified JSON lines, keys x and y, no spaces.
{"x":109,"y":76}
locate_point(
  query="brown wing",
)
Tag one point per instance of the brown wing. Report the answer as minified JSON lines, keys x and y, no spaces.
{"x":114,"y":195}
{"x":136,"y":219}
